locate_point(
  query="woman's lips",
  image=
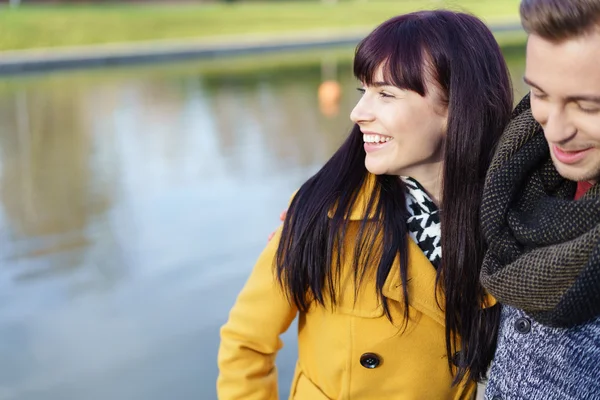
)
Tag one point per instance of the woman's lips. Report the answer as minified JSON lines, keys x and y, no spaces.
{"x":371,"y":147}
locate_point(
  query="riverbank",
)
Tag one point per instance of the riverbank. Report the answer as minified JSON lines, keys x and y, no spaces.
{"x":42,"y":60}
{"x":34,"y":27}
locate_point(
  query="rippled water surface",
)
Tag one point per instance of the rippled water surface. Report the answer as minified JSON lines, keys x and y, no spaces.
{"x":133,"y":205}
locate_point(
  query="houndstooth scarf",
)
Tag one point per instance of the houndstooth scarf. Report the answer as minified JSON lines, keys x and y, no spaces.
{"x":424,"y":225}
{"x":544,"y":247}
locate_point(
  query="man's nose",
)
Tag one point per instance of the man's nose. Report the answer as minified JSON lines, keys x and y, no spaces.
{"x":558,"y":127}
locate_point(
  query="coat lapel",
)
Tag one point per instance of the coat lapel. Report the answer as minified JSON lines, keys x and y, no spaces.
{"x":421,"y":284}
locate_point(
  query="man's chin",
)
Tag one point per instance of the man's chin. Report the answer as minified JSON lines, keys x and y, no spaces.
{"x":577,"y":173}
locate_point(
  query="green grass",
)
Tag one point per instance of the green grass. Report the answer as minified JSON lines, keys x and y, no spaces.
{"x":49,"y":26}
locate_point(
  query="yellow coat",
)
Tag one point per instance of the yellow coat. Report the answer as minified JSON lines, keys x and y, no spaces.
{"x":333,"y":344}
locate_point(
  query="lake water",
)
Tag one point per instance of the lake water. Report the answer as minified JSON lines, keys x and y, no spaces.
{"x":133,"y":204}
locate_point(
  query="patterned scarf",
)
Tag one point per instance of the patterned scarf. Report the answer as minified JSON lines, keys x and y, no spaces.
{"x":544,"y":247}
{"x":424,"y":221}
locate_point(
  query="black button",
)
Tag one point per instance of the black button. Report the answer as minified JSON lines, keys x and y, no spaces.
{"x":523,"y":325}
{"x":496,"y":398}
{"x":370,"y":360}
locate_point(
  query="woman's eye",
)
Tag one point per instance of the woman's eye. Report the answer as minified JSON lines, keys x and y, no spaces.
{"x":382,"y":94}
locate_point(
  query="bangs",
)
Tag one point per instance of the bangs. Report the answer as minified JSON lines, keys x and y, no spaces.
{"x":397,"y":47}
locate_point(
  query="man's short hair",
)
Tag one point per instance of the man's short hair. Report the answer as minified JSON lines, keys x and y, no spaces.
{"x":557,"y":20}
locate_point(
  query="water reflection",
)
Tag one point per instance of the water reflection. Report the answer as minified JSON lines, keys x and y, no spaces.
{"x":133,"y":205}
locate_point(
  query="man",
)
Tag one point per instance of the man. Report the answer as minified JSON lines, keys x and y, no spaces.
{"x":541,"y":213}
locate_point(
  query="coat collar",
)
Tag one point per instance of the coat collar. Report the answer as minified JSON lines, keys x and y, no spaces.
{"x":359,"y":209}
{"x":422,"y":275}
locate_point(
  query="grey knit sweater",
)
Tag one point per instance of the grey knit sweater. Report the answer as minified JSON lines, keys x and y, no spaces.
{"x":536,"y":362}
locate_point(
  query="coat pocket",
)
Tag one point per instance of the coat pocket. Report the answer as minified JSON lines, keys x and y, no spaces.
{"x":304,"y":389}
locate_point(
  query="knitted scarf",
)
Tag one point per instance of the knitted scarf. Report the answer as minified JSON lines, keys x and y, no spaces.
{"x":544,"y":247}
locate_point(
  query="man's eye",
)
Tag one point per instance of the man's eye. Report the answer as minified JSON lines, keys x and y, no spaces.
{"x":538,"y":95}
{"x":386,"y":95}
{"x":589,"y":109}
{"x":360,"y":90}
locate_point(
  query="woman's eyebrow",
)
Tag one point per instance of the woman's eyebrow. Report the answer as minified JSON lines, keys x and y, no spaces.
{"x":379,"y":84}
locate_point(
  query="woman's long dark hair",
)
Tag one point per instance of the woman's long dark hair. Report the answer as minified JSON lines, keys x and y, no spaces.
{"x":458,"y":53}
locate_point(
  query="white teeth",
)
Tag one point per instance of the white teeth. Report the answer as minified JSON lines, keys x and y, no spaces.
{"x":375,"y":139}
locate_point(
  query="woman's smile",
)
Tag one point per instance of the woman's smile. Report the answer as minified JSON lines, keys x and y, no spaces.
{"x":375,"y":141}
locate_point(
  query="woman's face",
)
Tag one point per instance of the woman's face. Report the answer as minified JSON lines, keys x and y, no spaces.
{"x":403,"y":132}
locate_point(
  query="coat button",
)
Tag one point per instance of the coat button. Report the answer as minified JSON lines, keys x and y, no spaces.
{"x":370,"y":360}
{"x":496,"y":398}
{"x":523,"y":325}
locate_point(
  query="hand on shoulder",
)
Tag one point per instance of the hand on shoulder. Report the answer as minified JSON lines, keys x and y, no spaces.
{"x":281,"y":218}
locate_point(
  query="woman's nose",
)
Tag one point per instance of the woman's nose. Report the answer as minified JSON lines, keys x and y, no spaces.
{"x":362,"y":112}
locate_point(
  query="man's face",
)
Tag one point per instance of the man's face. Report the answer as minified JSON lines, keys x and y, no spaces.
{"x":565,"y":99}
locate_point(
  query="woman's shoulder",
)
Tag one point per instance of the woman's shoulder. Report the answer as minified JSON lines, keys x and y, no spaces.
{"x":364,"y":206}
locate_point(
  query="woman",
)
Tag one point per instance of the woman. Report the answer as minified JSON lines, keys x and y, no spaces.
{"x":359,"y":258}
